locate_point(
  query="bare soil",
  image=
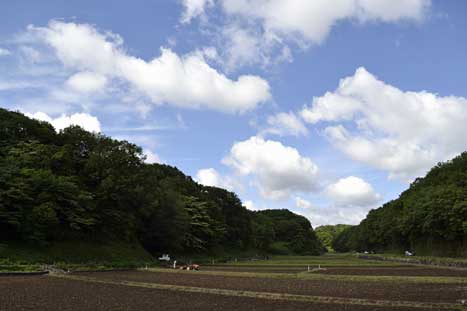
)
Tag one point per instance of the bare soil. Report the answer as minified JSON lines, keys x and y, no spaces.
{"x":449,"y":293}
{"x":52,"y":294}
{"x":405,"y":271}
{"x":367,"y":270}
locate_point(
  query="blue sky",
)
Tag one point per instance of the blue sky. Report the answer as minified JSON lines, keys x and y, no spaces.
{"x":327,"y":111}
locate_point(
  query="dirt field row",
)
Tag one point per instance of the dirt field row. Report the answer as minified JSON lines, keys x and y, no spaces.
{"x":449,"y":293}
{"x":403,"y":271}
{"x":281,"y":284}
{"x":53,"y":294}
{"x":399,"y":270}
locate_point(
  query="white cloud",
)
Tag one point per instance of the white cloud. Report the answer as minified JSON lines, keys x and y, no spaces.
{"x":246,"y":45}
{"x":349,"y":198}
{"x":194,"y":8}
{"x":242,"y":47}
{"x":313,"y":20}
{"x":86,"y":82}
{"x":249,"y":205}
{"x":210,"y":53}
{"x":402,"y":132}
{"x":279,"y":170}
{"x":208,"y":177}
{"x":84,"y":120}
{"x":284,"y":124}
{"x":302,"y":203}
{"x":352,"y":192}
{"x":261,"y":31}
{"x":4,"y":52}
{"x":184,"y":81}
{"x":392,"y":11}
{"x":331,"y":215}
{"x":211,"y":177}
{"x":152,"y":157}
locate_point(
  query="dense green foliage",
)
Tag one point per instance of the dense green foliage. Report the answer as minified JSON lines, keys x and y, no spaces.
{"x":429,"y":218}
{"x":75,"y":185}
{"x":283,"y":232}
{"x":327,"y":234}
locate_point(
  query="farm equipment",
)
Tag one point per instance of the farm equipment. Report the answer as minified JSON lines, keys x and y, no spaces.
{"x":189,"y":267}
{"x":185,"y":266}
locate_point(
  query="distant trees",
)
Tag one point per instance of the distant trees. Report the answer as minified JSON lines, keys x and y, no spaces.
{"x":79,"y":185}
{"x":292,"y":232}
{"x":428,"y":218}
{"x":327,"y":234}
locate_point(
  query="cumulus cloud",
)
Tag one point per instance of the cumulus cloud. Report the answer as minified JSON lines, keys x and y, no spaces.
{"x":250,"y":205}
{"x":185,"y":81}
{"x":352,"y":192}
{"x":4,"y":52}
{"x":152,"y":157}
{"x":332,"y":215}
{"x":283,"y":124}
{"x":84,"y":120}
{"x":402,"y":132}
{"x":349,"y":200}
{"x":194,"y":8}
{"x":86,"y":82}
{"x":211,"y":177}
{"x":208,"y":177}
{"x":261,"y":31}
{"x":278,"y":170}
{"x":313,"y":20}
{"x":248,"y":46}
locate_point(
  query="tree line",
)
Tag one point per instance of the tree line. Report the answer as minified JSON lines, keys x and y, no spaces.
{"x":75,"y":185}
{"x":429,"y":218}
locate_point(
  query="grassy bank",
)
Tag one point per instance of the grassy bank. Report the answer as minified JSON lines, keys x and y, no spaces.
{"x":327,"y":260}
{"x":424,"y":260}
{"x":85,"y":255}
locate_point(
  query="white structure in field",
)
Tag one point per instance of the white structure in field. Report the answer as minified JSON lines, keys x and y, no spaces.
{"x":164,"y":257}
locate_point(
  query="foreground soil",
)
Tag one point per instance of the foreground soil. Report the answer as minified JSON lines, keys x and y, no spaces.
{"x":449,"y":293}
{"x":368,"y":270}
{"x":52,"y":294}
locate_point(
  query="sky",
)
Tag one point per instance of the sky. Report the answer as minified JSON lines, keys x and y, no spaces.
{"x":329,"y":111}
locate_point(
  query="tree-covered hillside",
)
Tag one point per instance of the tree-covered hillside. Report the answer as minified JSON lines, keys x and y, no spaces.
{"x":429,"y":218}
{"x":283,"y":232}
{"x":327,"y":234}
{"x":78,"y":186}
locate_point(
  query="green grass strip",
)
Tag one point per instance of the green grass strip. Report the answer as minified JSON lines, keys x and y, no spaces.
{"x":271,"y":296}
{"x":418,"y":260}
{"x":326,"y":277}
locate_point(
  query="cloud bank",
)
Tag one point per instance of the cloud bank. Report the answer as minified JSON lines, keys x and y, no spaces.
{"x":402,"y":132}
{"x":86,"y":121}
{"x":278,"y":170}
{"x":186,"y":81}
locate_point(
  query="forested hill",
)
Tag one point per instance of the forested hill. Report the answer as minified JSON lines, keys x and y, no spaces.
{"x":429,"y":218}
{"x":328,"y":233}
{"x":80,"y":186}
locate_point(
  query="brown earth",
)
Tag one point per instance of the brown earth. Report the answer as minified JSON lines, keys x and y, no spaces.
{"x":290,"y":270}
{"x":367,"y":270}
{"x":406,"y":271}
{"x":40,"y":293}
{"x":421,"y":292}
